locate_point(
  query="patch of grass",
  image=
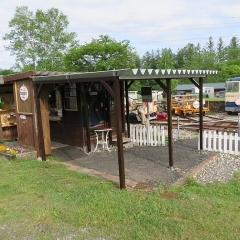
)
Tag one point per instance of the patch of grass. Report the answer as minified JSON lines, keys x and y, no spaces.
{"x":45,"y":200}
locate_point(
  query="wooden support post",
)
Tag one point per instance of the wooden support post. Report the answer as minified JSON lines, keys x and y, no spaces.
{"x":43,"y":98}
{"x":169,"y":112}
{"x":119,"y":134}
{"x":127,"y":109}
{"x":40,"y":128}
{"x":201,"y":112}
{"x":1,"y":131}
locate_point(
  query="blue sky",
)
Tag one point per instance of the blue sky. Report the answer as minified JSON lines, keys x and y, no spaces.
{"x":148,"y":25}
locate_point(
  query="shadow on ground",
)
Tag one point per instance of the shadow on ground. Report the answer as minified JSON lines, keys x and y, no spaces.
{"x":68,"y":153}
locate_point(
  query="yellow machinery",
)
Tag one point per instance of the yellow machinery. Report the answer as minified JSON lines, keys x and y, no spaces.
{"x":187,"y":104}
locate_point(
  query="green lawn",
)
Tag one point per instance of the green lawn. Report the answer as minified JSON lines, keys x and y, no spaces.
{"x":45,"y":200}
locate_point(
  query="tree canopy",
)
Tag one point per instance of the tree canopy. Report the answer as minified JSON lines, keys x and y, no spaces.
{"x":101,"y":54}
{"x":39,"y":40}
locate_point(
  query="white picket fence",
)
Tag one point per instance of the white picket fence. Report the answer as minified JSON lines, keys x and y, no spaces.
{"x":225,"y":142}
{"x":140,"y":135}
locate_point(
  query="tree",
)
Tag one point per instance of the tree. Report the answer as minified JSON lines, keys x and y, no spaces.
{"x":210,"y":45}
{"x":233,"y":49}
{"x":5,"y":72}
{"x":102,"y":54}
{"x":221,"y":52}
{"x":39,"y":40}
{"x":150,"y":60}
{"x":184,"y":56}
{"x":166,"y":60}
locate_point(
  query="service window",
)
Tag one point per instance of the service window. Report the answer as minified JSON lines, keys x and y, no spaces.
{"x":70,"y":97}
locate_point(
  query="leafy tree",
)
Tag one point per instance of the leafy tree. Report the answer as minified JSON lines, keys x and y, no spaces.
{"x":221,"y":51}
{"x":102,"y":54}
{"x":210,"y":45}
{"x":228,"y":69}
{"x":233,"y":49}
{"x":166,"y":61}
{"x":185,"y":55}
{"x":5,"y":72}
{"x":39,"y":40}
{"x":150,"y":60}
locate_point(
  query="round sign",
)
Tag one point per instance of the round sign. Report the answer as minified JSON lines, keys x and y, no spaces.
{"x":237,"y":101}
{"x":196,"y":104}
{"x":23,"y":92}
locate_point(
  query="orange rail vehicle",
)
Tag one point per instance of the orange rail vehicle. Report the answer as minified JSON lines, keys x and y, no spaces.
{"x":188,"y":104}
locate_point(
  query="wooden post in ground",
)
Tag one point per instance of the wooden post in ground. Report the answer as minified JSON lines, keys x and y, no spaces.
{"x":1,"y":132}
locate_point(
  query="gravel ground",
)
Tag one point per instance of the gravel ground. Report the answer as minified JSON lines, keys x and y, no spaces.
{"x":150,"y":165}
{"x":221,"y":169}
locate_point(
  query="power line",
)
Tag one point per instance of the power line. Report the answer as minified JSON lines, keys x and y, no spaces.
{"x":135,"y":13}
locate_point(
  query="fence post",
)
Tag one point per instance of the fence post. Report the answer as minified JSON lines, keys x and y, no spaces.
{"x":225,"y":138}
{"x":209,"y":135}
{"x":204,"y":140}
{"x":220,"y":141}
{"x":230,"y":143}
{"x":214,"y":140}
{"x":163,"y":135}
{"x":236,"y":143}
{"x":178,"y":130}
{"x":141,"y":135}
{"x":155,"y":134}
{"x":239,"y":124}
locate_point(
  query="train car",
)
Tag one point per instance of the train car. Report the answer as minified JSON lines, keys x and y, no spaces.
{"x":232,"y":95}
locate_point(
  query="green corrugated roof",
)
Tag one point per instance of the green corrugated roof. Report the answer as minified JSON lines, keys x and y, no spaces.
{"x":134,"y":74}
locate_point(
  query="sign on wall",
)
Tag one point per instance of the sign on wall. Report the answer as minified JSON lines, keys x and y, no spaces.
{"x":23,"y":92}
{"x":146,"y":93}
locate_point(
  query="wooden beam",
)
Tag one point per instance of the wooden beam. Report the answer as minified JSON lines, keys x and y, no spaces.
{"x":1,"y":131}
{"x":130,"y":84}
{"x":169,"y":112}
{"x":161,"y":84}
{"x":127,"y":109}
{"x":201,"y":112}
{"x":194,"y":82}
{"x":108,"y":88}
{"x":117,"y":98}
{"x":122,"y":105}
{"x":39,"y":90}
{"x":86,"y":119}
{"x":40,"y":127}
{"x":43,"y":98}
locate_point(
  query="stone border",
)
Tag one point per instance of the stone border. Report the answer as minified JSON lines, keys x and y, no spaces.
{"x":130,"y":184}
{"x":196,"y":170}
{"x":7,"y":156}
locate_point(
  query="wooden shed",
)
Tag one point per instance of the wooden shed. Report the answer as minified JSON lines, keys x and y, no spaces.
{"x":65,"y":107}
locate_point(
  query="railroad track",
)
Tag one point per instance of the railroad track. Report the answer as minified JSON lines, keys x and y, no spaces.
{"x":209,"y":122}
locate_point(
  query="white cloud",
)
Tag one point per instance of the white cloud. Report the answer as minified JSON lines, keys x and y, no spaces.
{"x":148,"y":25}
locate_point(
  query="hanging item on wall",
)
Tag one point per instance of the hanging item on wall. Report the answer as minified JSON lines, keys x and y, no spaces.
{"x":58,"y":99}
{"x":23,"y":92}
{"x":1,"y":100}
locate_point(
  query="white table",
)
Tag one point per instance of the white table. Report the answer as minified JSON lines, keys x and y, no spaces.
{"x":104,"y":137}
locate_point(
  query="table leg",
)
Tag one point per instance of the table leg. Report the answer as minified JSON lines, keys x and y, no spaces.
{"x":97,"y":142}
{"x":107,"y":141}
